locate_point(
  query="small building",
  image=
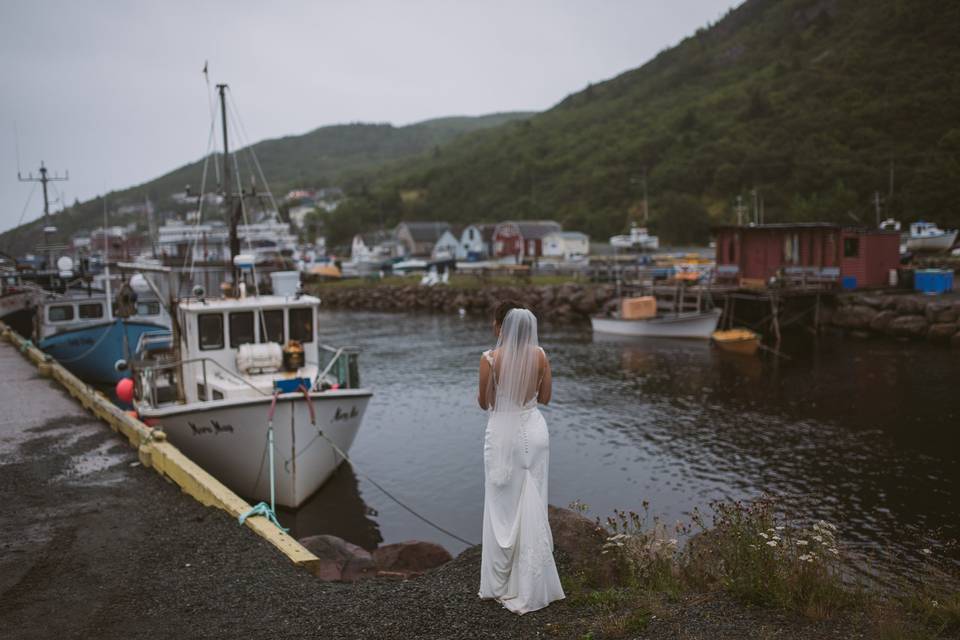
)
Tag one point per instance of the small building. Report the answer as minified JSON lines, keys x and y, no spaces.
{"x":475,"y":242}
{"x":816,"y":250}
{"x":566,"y":245}
{"x":448,"y":246}
{"x":419,"y":238}
{"x":522,"y":239}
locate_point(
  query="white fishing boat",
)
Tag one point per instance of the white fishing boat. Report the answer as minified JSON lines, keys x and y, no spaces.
{"x":244,"y":362}
{"x":690,"y":324}
{"x":639,"y":239}
{"x":926,"y":236}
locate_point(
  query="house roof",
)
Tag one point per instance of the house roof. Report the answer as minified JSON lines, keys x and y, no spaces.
{"x":425,"y":231}
{"x":535,"y":229}
{"x":574,"y":235}
{"x":797,"y":226}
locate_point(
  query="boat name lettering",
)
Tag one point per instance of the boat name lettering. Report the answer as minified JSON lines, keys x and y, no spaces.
{"x":345,"y":415}
{"x":214,"y":428}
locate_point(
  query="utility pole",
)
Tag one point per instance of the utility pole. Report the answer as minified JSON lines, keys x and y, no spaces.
{"x":48,"y":229}
{"x":646,"y":208}
{"x":890,"y":192}
{"x":756,"y":208}
{"x":876,"y":206}
{"x":740,"y":210}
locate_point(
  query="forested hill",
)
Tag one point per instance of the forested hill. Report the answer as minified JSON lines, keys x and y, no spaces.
{"x":810,"y":102}
{"x":327,"y":156}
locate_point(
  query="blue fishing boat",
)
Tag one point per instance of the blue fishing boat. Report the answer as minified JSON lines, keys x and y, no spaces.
{"x":82,"y":332}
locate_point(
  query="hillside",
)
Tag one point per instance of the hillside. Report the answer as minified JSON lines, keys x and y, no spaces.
{"x":325,"y":156}
{"x":811,"y":102}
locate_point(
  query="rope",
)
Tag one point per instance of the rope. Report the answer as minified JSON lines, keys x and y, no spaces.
{"x":262,"y":509}
{"x":360,"y":472}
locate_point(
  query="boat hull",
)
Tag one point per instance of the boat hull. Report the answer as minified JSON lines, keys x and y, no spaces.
{"x":684,"y":325}
{"x":91,"y":352}
{"x":942,"y":242}
{"x":228,"y":439}
{"x":739,"y":346}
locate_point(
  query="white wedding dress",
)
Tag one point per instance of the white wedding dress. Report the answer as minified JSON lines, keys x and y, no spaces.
{"x":517,"y":566}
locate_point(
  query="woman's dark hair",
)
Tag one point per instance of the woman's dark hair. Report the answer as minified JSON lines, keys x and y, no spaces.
{"x":503,"y":308}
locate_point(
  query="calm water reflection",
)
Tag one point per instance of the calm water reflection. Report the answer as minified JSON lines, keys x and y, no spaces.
{"x":861,"y":434}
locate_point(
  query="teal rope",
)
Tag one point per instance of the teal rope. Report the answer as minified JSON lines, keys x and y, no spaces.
{"x":262,"y":509}
{"x":26,"y":344}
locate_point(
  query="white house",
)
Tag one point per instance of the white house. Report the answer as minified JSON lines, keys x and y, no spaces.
{"x":566,"y":245}
{"x":475,"y":242}
{"x":447,"y":246}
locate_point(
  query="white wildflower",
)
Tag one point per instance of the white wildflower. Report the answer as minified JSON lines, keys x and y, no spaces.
{"x":802,"y":543}
{"x":805,"y":557}
{"x":780,"y":527}
{"x":772,"y":543}
{"x":935,"y":603}
{"x":763,"y":535}
{"x":673,"y":541}
{"x":833,"y":551}
{"x":771,"y":529}
{"x":818,"y":538}
{"x":926,"y":551}
{"x":776,"y":537}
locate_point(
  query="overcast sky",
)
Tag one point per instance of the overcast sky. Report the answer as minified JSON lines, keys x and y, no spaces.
{"x":112,"y":90}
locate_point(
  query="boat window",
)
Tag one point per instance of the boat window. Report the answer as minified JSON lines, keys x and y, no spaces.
{"x":148,"y":308}
{"x":90,"y":310}
{"x":301,"y":325}
{"x":241,"y":328}
{"x":60,"y":313}
{"x":273,"y":319}
{"x":210,"y":328}
{"x":851,"y":247}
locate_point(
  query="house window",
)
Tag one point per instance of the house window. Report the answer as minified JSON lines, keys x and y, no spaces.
{"x":273,"y":321}
{"x":301,"y":325}
{"x":148,"y":308}
{"x":60,"y":313}
{"x":210,"y":329}
{"x":241,"y":328}
{"x":90,"y":310}
{"x":851,"y":247}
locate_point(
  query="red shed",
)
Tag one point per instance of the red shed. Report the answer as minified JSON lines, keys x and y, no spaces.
{"x":813,"y":250}
{"x":522,"y":238}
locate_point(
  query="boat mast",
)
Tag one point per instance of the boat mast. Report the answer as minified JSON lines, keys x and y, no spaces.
{"x":231,"y":210}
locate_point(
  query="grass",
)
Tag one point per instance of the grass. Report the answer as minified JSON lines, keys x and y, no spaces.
{"x":760,"y":560}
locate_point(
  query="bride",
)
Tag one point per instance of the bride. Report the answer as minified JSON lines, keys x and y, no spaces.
{"x":517,"y":566}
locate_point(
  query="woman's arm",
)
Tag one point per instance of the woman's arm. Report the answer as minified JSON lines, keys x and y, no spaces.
{"x":545,"y":392}
{"x":482,"y":398}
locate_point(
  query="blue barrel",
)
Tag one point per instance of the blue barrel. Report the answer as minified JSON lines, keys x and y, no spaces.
{"x":933,"y":281}
{"x":849,"y":283}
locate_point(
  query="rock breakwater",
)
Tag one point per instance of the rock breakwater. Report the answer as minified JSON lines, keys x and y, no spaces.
{"x":902,"y":316}
{"x":564,"y":303}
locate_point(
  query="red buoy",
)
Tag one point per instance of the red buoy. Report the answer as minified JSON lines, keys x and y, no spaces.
{"x":125,"y":390}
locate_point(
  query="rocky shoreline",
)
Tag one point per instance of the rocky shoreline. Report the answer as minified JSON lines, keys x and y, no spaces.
{"x":900,"y":316}
{"x":569,"y":302}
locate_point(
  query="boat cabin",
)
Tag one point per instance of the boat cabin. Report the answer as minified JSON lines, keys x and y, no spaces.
{"x":815,"y":253}
{"x":65,"y":313}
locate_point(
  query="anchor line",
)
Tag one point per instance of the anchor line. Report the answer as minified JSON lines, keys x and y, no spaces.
{"x":359,"y":471}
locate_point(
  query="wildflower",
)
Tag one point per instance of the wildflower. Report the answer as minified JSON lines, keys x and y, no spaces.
{"x":763,"y":535}
{"x":818,"y":538}
{"x":801,"y":543}
{"x":833,"y":551}
{"x":926,"y":551}
{"x":805,"y":557}
{"x":772,"y":543}
{"x":771,"y":529}
{"x":776,"y":537}
{"x":673,"y":541}
{"x":780,"y":527}
{"x":935,"y":603}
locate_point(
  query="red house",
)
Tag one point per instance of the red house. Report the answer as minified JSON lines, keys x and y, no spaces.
{"x":523,"y":239}
{"x":814,"y":250}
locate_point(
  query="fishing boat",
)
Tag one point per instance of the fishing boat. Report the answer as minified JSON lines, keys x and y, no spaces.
{"x":94,"y":338}
{"x":690,"y":324}
{"x":739,"y":341}
{"x":242,"y":363}
{"x":639,"y":239}
{"x":926,"y":236}
{"x":247,"y":390}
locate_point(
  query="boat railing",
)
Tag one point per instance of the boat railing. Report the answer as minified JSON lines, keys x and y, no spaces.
{"x":153,"y":339}
{"x":150,"y":372}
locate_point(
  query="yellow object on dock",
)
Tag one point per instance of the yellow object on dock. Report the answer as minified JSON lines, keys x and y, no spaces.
{"x":740,"y":341}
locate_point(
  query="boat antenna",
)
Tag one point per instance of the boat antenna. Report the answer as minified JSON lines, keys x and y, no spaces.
{"x":45,"y":179}
{"x":227,"y":196}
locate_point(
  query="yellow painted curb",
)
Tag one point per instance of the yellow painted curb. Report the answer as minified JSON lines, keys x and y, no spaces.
{"x":154,"y":451}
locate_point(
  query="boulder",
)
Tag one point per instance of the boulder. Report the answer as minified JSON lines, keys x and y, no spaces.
{"x":881,"y":321}
{"x":870,"y":300}
{"x":909,"y":305}
{"x":908,"y":327}
{"x":582,"y":540}
{"x":934,"y":311}
{"x":410,"y":558}
{"x":941,"y":332}
{"x":955,"y":341}
{"x":856,"y":316}
{"x":339,"y":560}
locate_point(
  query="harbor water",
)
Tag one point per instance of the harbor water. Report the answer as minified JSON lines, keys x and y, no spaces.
{"x":861,"y":434}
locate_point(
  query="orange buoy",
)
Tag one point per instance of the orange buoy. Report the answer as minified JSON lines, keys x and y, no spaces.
{"x":124,"y":390}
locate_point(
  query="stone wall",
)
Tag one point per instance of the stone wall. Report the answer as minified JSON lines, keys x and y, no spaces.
{"x":905,"y":316}
{"x":563,"y":303}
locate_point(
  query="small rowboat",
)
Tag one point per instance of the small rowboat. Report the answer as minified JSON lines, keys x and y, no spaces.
{"x":740,"y":341}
